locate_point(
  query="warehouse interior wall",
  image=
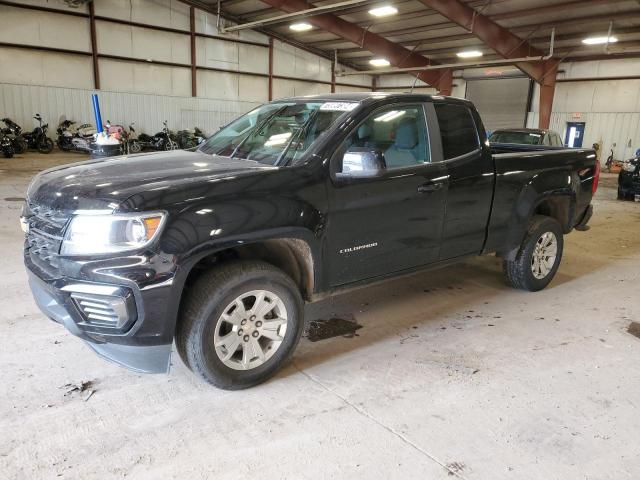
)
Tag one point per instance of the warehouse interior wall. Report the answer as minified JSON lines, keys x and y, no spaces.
{"x":149,"y":69}
{"x":605,"y":95}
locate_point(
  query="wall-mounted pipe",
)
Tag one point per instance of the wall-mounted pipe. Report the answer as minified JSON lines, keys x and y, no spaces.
{"x":454,"y":66}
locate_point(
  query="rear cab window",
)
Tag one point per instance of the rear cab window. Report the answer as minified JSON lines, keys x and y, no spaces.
{"x":458,"y":130}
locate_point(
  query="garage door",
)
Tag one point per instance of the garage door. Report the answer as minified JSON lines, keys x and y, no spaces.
{"x":502,"y":103}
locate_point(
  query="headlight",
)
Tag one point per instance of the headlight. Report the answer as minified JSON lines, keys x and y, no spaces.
{"x":98,"y":234}
{"x":629,"y":167}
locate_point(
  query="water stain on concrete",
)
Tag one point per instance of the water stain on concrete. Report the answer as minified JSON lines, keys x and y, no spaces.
{"x":334,"y":327}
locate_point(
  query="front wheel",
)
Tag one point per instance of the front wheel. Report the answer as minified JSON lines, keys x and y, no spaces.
{"x":539,"y":256}
{"x":241,"y":322}
{"x":45,"y":145}
{"x":134,"y":146}
{"x":171,"y":145}
{"x":19,"y":145}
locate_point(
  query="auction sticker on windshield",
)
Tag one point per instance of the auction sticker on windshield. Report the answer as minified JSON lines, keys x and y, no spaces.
{"x":338,"y":106}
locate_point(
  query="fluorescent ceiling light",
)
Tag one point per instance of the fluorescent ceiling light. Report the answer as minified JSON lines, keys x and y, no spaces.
{"x":469,"y":54}
{"x":300,"y":27}
{"x":383,"y":11}
{"x":599,"y":40}
{"x":387,"y":117}
{"x":379,"y":62}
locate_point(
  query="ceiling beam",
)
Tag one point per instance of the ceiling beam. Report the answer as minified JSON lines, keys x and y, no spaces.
{"x":500,"y":39}
{"x":287,"y":17}
{"x":397,"y":55}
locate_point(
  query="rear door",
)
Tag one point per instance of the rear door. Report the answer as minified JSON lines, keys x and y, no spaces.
{"x":393,"y":221}
{"x":469,"y":167}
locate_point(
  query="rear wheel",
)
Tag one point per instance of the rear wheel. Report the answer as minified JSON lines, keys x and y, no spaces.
{"x":45,"y":145}
{"x":539,"y":256}
{"x":134,"y":146}
{"x":241,"y":322}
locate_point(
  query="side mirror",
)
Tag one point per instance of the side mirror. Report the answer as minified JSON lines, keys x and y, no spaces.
{"x":362,"y":163}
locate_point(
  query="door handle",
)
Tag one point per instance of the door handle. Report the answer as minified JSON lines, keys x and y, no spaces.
{"x":429,"y":187}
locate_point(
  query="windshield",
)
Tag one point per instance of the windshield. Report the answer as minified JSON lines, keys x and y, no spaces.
{"x":276,"y":133}
{"x":521,"y":138}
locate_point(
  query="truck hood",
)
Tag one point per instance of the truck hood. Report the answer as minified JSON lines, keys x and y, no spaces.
{"x":106,"y":183}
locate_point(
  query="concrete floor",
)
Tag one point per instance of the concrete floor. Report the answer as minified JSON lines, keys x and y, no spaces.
{"x":452,"y":375}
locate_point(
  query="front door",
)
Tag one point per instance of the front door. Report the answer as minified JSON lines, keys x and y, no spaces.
{"x":574,"y":135}
{"x":388,"y":219}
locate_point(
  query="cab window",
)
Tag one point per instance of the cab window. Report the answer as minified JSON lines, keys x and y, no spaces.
{"x":392,"y":137}
{"x":457,"y":130}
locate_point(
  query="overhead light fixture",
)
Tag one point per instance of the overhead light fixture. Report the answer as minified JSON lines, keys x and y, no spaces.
{"x":469,"y":54}
{"x":599,"y":40}
{"x":300,"y":27}
{"x":379,"y":62}
{"x":383,"y":11}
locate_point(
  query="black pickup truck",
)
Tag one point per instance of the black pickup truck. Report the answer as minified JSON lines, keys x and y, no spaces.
{"x":219,"y":247}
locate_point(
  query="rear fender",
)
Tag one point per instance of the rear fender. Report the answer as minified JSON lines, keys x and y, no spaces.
{"x":537,"y":197}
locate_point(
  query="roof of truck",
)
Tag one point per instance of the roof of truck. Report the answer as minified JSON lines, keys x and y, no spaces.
{"x":364,"y":96}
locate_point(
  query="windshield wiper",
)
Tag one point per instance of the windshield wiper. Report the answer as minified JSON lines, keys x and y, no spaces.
{"x":299,"y":134}
{"x":258,"y":127}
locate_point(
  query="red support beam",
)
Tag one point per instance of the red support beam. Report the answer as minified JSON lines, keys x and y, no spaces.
{"x":192,"y":32}
{"x":397,"y":55}
{"x":507,"y":44}
{"x":94,"y":46}
{"x":270,"y":68}
{"x":547,"y":90}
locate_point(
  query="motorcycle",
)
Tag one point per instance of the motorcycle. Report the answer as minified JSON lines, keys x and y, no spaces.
{"x":13,"y":131}
{"x":72,"y":136}
{"x":37,"y":139}
{"x":133,"y":144}
{"x":6,"y":146}
{"x":187,"y":139}
{"x":164,"y":140}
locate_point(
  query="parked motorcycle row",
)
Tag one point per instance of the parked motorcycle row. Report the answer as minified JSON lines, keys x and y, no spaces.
{"x":72,"y":136}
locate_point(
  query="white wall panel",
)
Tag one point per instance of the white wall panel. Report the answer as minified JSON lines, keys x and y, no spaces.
{"x":26,"y":27}
{"x":364,"y":80}
{"x":292,"y":88}
{"x":254,"y":89}
{"x":253,"y":58}
{"x":218,"y":85}
{"x":216,"y":54}
{"x":55,"y":5}
{"x":142,"y":43}
{"x":207,"y":23}
{"x":617,"y":131}
{"x":144,"y":78}
{"x":165,"y":13}
{"x":348,"y":89}
{"x":290,"y":61}
{"x":45,"y":68}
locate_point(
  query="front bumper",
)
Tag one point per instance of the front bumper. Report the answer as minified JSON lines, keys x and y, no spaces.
{"x":141,"y":333}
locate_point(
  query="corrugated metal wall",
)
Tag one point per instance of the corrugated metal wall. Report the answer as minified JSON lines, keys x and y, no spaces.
{"x":608,"y":128}
{"x":21,"y":102}
{"x":610,"y":108}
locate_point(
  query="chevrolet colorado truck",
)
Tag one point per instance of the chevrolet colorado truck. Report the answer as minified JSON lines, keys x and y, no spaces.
{"x":218,"y":248}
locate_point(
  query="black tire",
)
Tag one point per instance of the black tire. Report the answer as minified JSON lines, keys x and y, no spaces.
{"x":65,"y":146}
{"x":134,"y":146}
{"x":518,"y":272}
{"x":45,"y":145}
{"x":204,"y":304}
{"x":622,"y":195}
{"x":8,"y":152}
{"x":19,"y":145}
